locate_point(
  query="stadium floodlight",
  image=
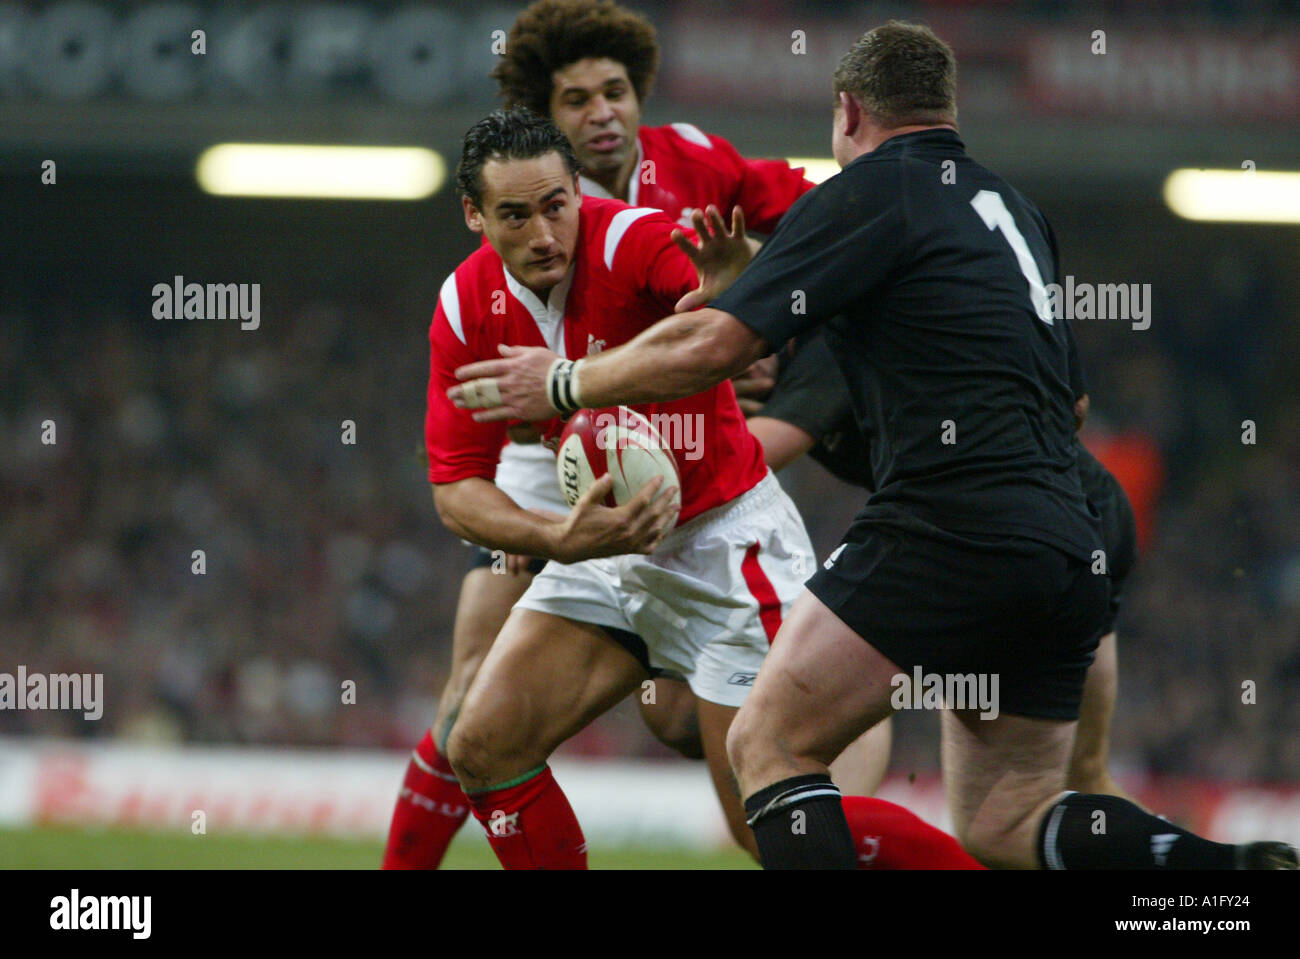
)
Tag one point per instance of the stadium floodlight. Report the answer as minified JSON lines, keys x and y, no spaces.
{"x":816,"y":169}
{"x":1234,"y":196}
{"x":331,"y":172}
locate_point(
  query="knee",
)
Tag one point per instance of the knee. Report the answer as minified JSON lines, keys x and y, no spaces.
{"x":742,"y":740}
{"x":469,"y":752}
{"x":481,"y":753}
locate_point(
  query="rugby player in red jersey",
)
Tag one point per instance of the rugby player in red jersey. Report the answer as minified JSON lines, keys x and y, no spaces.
{"x":564,"y":271}
{"x":590,"y":66}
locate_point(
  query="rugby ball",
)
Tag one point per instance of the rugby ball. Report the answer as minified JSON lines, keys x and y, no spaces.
{"x":619,"y":441}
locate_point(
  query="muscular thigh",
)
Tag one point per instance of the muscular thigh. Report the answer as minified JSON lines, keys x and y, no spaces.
{"x":822,"y":685}
{"x":544,"y":679}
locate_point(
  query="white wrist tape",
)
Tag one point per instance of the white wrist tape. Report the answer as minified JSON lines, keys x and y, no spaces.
{"x":562,"y":386}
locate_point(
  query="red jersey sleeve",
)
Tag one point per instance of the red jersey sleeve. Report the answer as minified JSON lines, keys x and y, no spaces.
{"x":644,"y":251}
{"x":765,"y":189}
{"x":458,"y":447}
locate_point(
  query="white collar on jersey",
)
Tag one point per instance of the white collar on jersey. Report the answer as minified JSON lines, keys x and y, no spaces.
{"x":548,"y":316}
{"x":591,"y":188}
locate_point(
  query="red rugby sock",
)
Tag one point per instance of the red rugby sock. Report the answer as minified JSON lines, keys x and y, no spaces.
{"x":430,"y":809}
{"x":887,"y":836}
{"x":531,"y":825}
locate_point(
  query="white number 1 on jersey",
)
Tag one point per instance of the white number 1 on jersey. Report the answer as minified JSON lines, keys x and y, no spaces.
{"x":988,"y":204}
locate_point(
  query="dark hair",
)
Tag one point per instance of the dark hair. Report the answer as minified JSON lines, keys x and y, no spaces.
{"x":902,"y":74}
{"x":514,"y":134}
{"x":551,"y":34}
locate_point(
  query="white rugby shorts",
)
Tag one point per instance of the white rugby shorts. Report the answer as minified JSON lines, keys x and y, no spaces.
{"x":710,"y":599}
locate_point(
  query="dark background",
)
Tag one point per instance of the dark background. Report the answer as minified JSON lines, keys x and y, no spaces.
{"x":326,"y":562}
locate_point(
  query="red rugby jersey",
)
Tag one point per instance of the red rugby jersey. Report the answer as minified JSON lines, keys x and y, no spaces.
{"x":627,"y":275}
{"x":680,"y":168}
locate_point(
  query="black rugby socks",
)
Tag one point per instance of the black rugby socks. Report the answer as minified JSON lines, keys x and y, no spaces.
{"x":799,"y":824}
{"x":1106,"y":832}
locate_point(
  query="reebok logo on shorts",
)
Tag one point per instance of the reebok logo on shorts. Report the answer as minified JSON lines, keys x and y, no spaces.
{"x":742,"y":679}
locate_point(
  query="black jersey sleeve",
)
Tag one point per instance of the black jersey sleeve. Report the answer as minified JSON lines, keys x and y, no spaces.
{"x":835,"y":246}
{"x":810,"y":391}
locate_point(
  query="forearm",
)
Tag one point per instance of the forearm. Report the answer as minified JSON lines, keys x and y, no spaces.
{"x":679,"y":356}
{"x":474,"y":509}
{"x":782,"y":442}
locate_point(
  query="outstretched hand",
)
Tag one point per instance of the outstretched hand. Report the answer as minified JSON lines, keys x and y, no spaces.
{"x":719,"y":258}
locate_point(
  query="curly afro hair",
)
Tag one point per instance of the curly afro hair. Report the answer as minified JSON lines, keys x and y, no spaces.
{"x":551,"y":34}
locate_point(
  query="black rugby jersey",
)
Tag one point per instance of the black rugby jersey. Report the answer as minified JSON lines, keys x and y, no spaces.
{"x":928,"y":273}
{"x":810,"y":393}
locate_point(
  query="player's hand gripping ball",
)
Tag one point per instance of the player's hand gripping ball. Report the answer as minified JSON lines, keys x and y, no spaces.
{"x":619,"y":441}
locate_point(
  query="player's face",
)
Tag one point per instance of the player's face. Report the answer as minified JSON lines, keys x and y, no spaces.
{"x":593,"y":102}
{"x":530,"y":216}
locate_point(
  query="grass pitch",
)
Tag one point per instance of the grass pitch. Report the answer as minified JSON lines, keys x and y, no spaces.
{"x":70,"y":848}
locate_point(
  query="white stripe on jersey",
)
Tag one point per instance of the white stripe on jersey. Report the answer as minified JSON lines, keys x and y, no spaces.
{"x":449,"y":297}
{"x":618,"y":226}
{"x":689,"y":131}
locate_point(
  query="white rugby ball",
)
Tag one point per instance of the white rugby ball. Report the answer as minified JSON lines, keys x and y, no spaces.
{"x":618,"y":441}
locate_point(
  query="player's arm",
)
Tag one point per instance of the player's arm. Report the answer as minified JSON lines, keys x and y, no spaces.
{"x":679,"y":356}
{"x":808,"y":400}
{"x":753,"y":385}
{"x":462,"y":457}
{"x":476,"y":510}
{"x":782,"y":442}
{"x":826,"y":253}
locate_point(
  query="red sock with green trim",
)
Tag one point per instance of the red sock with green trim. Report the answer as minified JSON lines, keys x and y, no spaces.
{"x":430,"y":810}
{"x":530,"y":824}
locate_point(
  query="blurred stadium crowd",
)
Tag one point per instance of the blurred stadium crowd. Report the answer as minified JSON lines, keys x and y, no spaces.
{"x":325,"y":562}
